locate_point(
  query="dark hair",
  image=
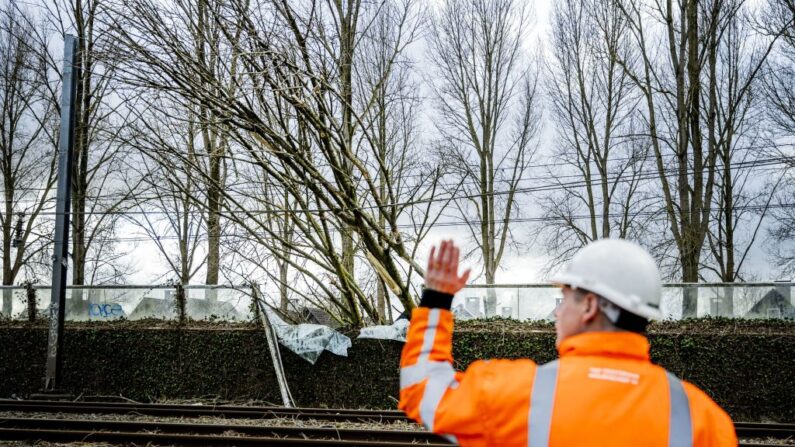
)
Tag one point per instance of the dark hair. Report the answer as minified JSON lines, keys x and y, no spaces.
{"x":631,"y":322}
{"x":627,"y":321}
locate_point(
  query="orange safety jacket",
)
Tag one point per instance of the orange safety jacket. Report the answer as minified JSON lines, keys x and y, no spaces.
{"x":603,"y":391}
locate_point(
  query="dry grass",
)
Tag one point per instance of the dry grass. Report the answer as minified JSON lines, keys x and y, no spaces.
{"x":270,"y":422}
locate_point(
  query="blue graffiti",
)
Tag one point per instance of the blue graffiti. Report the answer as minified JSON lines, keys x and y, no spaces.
{"x":105,"y":310}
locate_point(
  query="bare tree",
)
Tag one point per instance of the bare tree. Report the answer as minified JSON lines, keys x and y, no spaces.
{"x":167,"y":209}
{"x":779,"y":82}
{"x":98,"y":195}
{"x":782,"y":232}
{"x":601,"y":153}
{"x":741,"y":198}
{"x":486,"y":91}
{"x":292,"y":118}
{"x":255,"y":257}
{"x":27,"y":156}
{"x":779,"y":88}
{"x":281,"y":219}
{"x":207,"y":39}
{"x":389,"y":135}
{"x":681,"y":91}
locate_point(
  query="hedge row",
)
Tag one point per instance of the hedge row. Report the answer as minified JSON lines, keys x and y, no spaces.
{"x":746,"y":367}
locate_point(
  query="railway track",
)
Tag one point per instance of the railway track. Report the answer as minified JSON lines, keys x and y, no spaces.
{"x":167,"y":439}
{"x":781,"y":432}
{"x":75,"y":425}
{"x":170,"y":433}
{"x":762,"y":430}
{"x":229,"y":412}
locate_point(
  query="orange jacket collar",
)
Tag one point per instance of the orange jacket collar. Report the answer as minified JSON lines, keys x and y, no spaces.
{"x":606,"y":344}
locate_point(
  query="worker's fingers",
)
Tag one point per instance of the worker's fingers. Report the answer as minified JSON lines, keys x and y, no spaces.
{"x":444,"y":256}
{"x":448,"y":254}
{"x":454,"y":260}
{"x":442,"y":273}
{"x":462,"y":280}
{"x":431,"y":259}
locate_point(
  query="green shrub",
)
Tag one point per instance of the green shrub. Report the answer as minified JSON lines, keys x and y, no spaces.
{"x":746,"y":366}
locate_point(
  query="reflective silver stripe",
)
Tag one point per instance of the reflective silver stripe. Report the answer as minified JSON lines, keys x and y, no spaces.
{"x":434,"y":390}
{"x":440,"y":375}
{"x":451,"y":438}
{"x":539,"y":421}
{"x":429,"y":335}
{"x":680,"y":430}
{"x":414,"y":374}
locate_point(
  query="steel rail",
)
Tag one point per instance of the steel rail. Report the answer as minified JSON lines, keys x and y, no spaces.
{"x":231,"y":412}
{"x":744,"y":429}
{"x":346,"y":434}
{"x":203,"y":440}
{"x":222,"y":406}
{"x":16,"y":434}
{"x":764,"y":430}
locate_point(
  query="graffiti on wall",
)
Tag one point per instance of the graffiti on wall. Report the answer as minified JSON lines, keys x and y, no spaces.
{"x":105,"y":310}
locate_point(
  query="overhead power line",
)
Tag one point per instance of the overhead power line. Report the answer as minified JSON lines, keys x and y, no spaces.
{"x":552,"y":186}
{"x":251,"y":236}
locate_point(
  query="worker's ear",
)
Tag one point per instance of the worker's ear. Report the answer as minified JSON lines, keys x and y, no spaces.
{"x":591,"y":308}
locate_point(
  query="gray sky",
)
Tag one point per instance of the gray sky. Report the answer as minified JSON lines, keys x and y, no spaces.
{"x":518,"y":268}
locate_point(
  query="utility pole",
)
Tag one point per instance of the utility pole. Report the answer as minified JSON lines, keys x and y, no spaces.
{"x":71,"y":73}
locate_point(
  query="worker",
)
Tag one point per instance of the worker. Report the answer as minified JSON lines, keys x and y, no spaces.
{"x":602,"y":391}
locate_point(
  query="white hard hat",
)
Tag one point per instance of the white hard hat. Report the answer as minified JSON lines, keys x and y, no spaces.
{"x":619,"y":271}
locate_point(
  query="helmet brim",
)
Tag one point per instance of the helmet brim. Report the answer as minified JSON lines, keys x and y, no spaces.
{"x":576,"y":282}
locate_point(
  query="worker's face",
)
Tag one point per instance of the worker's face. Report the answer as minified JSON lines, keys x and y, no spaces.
{"x":572,"y":314}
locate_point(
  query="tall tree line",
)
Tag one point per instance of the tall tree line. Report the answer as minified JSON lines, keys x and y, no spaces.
{"x":312,"y":146}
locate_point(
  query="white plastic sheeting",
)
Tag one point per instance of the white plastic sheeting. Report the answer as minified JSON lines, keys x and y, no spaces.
{"x":395,"y":331}
{"x":308,"y":340}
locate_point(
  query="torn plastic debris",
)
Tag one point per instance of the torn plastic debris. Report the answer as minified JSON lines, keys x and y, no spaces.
{"x":308,"y":340}
{"x":395,"y":331}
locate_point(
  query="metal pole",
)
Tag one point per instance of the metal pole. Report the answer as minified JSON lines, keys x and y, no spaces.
{"x":71,"y":72}
{"x":273,"y":347}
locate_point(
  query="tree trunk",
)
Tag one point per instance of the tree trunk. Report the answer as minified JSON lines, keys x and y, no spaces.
{"x":214,"y":146}
{"x":347,"y":30}
{"x":689,"y":261}
{"x":490,"y":304}
{"x":30,"y":294}
{"x":8,"y":278}
{"x":184,"y":256}
{"x":347,"y":261}
{"x":80,"y":157}
{"x":213,"y":240}
{"x":7,"y":301}
{"x":381,"y":299}
{"x":283,"y":290}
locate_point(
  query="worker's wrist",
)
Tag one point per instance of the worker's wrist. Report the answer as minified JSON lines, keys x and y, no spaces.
{"x":436,"y":299}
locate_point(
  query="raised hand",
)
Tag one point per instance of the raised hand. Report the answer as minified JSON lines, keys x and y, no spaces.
{"x":442,"y":273}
